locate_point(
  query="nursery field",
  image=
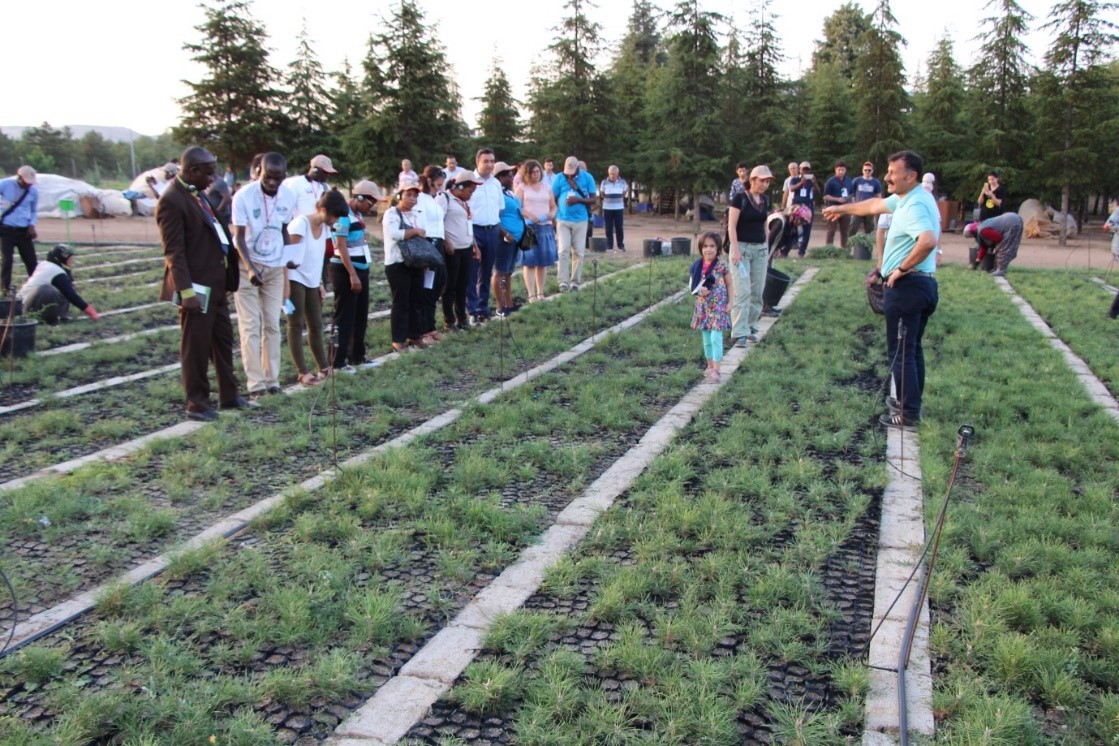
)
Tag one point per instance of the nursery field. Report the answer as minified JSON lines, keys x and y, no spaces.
{"x":304,"y":556}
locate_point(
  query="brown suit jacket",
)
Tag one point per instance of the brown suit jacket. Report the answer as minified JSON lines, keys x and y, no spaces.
{"x":191,"y":249}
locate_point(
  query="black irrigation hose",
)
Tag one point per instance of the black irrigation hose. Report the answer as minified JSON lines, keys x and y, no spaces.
{"x":964,"y":434}
{"x":15,"y":613}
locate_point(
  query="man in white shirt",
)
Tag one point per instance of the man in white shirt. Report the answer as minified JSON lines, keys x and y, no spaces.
{"x":406,"y":171}
{"x":549,"y":172}
{"x":453,"y":170}
{"x":485,"y":210}
{"x":261,"y":213}
{"x":308,"y":188}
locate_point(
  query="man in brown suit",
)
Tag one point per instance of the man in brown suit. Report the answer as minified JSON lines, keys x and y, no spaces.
{"x":196,"y":250}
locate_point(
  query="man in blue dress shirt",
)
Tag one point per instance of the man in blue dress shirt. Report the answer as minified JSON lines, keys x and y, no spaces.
{"x":19,"y":206}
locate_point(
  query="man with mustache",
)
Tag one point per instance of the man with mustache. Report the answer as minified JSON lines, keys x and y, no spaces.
{"x":907,"y":267}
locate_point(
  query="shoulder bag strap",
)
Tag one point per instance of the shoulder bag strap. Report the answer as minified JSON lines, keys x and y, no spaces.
{"x":12,"y":207}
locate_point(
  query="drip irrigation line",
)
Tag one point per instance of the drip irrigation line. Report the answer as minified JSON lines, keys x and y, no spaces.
{"x":15,"y":611}
{"x":964,"y":434}
{"x":59,"y":621}
{"x":961,"y":449}
{"x":594,"y":298}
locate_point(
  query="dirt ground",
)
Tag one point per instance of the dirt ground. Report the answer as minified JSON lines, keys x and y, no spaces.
{"x":1090,"y":249}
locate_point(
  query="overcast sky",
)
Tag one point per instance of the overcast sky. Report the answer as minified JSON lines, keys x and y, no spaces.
{"x":124,"y":66}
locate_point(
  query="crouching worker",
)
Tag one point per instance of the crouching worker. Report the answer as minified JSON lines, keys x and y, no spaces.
{"x":1001,"y":236}
{"x":50,"y":289}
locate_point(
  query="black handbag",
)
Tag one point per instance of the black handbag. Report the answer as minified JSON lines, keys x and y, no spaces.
{"x":528,"y":238}
{"x":418,"y":252}
{"x":875,"y":296}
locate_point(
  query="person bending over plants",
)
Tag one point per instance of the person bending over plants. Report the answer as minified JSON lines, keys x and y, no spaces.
{"x":712,"y":304}
{"x":305,"y":290}
{"x":50,"y":289}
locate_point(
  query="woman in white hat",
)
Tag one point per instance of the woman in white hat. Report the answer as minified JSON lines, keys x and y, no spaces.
{"x":749,"y":254}
{"x":349,"y":276}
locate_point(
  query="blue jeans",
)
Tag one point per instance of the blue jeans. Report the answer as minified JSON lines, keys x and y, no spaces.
{"x":908,"y":306}
{"x":805,"y":234}
{"x":478,"y":278}
{"x":613,"y":222}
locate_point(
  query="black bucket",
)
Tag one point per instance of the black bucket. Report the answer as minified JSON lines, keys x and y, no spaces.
{"x":861,"y":251}
{"x":6,"y":308}
{"x":19,"y":338}
{"x":651,"y":247}
{"x":598,"y":244}
{"x":681,"y":246}
{"x":988,"y":262}
{"x":776,"y":283}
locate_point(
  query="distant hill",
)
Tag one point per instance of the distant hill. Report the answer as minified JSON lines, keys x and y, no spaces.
{"x":113,"y":134}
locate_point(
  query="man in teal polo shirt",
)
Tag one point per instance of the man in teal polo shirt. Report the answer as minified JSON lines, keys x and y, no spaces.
{"x":908,"y":264}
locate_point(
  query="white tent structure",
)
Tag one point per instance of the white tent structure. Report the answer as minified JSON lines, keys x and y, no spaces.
{"x":89,"y":201}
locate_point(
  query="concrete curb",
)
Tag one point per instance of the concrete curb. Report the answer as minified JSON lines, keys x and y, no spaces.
{"x":1094,"y":386}
{"x":64,"y":612}
{"x":1103,"y":284}
{"x":901,"y":539}
{"x":407,"y":697}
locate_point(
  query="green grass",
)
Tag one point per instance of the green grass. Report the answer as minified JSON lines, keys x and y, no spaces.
{"x":1076,"y":309}
{"x":687,"y":561}
{"x":1029,"y":586}
{"x":322,"y":575}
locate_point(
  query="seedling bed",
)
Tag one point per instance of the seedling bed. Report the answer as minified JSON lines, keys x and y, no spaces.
{"x":727,"y":597}
{"x":1024,"y":598}
{"x":238,"y":465}
{"x":1076,"y":309}
{"x":399,"y":528}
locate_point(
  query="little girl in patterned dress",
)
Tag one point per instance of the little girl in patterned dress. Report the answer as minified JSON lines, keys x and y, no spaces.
{"x":712,"y":304}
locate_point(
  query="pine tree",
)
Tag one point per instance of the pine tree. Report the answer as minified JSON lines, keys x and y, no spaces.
{"x":411,"y":107}
{"x":844,"y":40}
{"x":53,"y":148}
{"x":996,"y":109}
{"x":881,"y":103}
{"x":344,"y":112}
{"x":939,"y":133}
{"x":689,"y":152}
{"x":235,"y":110}
{"x":569,"y":100}
{"x":763,"y":85}
{"x":641,"y":53}
{"x":1075,"y":91}
{"x":498,"y":121}
{"x":831,"y":123}
{"x":308,"y":106}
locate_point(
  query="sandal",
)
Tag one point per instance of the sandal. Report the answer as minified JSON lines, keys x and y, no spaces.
{"x":325,"y":373}
{"x":399,"y":347}
{"x":897,"y":419}
{"x":417,"y":343}
{"x":308,"y":379}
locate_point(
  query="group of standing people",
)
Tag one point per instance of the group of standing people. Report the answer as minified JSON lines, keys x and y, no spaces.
{"x":730,"y":296}
{"x":272,"y":245}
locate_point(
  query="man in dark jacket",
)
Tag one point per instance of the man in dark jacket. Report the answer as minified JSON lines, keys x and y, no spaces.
{"x":200,"y":270}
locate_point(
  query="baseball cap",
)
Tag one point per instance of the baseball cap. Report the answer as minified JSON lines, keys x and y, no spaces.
{"x":322,"y":162}
{"x":406,"y":183}
{"x":366,"y":188}
{"x":501,"y":167}
{"x":465,"y":176}
{"x":806,"y":164}
{"x":571,"y":166}
{"x":761,"y":172}
{"x":27,"y":174}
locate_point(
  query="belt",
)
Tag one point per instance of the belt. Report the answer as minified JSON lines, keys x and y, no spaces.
{"x":917,"y":272}
{"x":486,"y":227}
